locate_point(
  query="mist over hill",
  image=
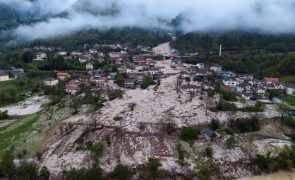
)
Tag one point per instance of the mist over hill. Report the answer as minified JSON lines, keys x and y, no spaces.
{"x":41,"y":19}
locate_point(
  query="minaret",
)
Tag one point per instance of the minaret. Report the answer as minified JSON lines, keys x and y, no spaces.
{"x":220,"y":50}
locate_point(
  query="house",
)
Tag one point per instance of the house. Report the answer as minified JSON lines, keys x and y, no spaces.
{"x":200,"y":65}
{"x":270,"y":80}
{"x":216,"y":68}
{"x":243,"y":87}
{"x":230,"y":82}
{"x":175,"y":61}
{"x":102,"y":81}
{"x":3,"y":76}
{"x":50,"y":82}
{"x":85,"y":78}
{"x":97,"y":73}
{"x":62,"y":53}
{"x":129,"y":83}
{"x":246,"y":96}
{"x":112,"y":75}
{"x":226,"y":74}
{"x":62,"y":75}
{"x":89,"y":66}
{"x":16,"y":73}
{"x":259,"y":91}
{"x":40,"y":56}
{"x":273,"y":83}
{"x":209,"y":134}
{"x":190,"y":88}
{"x":72,"y":89}
{"x":290,"y":89}
{"x":201,"y":72}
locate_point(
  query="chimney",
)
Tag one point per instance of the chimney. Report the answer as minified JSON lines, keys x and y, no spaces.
{"x":220,"y":50}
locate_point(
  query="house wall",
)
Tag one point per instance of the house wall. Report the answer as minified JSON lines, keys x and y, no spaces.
{"x":4,"y":78}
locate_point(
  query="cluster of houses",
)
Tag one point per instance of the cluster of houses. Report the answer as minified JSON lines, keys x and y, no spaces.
{"x":242,"y":84}
{"x":14,"y":73}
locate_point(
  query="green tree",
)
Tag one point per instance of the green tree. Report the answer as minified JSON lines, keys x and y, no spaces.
{"x":27,"y":56}
{"x":44,"y":174}
{"x":147,"y":81}
{"x":153,"y":167}
{"x":209,"y":152}
{"x":97,"y":150}
{"x":122,"y":172}
{"x":7,"y":165}
{"x":27,"y":171}
{"x":231,"y":142}
{"x":189,"y":134}
{"x":120,"y":80}
{"x":215,"y":124}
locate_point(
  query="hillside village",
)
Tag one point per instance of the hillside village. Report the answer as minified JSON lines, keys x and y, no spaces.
{"x":147,"y":104}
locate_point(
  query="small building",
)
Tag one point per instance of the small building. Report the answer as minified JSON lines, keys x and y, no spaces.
{"x":16,"y":73}
{"x":175,"y":61}
{"x":270,"y":80}
{"x":201,"y":72}
{"x":200,"y":65}
{"x":190,"y":88}
{"x":246,"y":96}
{"x":209,"y":134}
{"x":89,"y":66}
{"x":40,"y":56}
{"x":50,"y":82}
{"x":85,"y":78}
{"x":290,"y":89}
{"x":63,"y":75}
{"x":130,"y":83}
{"x":72,"y":89}
{"x":230,"y":82}
{"x":4,"y":76}
{"x":216,"y":68}
{"x":243,"y":87}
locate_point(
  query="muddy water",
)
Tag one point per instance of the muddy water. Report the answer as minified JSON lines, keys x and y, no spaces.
{"x":274,"y":176}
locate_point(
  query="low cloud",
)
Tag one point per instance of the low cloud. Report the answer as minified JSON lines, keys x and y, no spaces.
{"x":267,"y":16}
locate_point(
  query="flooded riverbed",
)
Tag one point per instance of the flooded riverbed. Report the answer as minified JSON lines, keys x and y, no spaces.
{"x":274,"y":176}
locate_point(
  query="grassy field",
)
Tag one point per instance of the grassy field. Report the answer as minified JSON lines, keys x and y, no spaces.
{"x":10,"y":91}
{"x":30,"y":132}
{"x":288,"y":79}
{"x":17,"y":132}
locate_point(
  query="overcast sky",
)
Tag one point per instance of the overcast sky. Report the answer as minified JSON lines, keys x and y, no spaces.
{"x":268,"y":16}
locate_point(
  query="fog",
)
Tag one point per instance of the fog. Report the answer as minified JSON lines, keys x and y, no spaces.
{"x":266,"y":16}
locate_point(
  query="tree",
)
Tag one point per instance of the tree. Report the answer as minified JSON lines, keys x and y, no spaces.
{"x":27,"y":171}
{"x":249,"y":147}
{"x":122,"y":172}
{"x":27,"y":56}
{"x":120,"y":80}
{"x":97,"y":150}
{"x":209,"y":152}
{"x":189,"y":134}
{"x":214,"y":124}
{"x":44,"y":173}
{"x":243,"y":101}
{"x":147,"y":81}
{"x":7,"y":166}
{"x":153,"y":167}
{"x":231,"y":142}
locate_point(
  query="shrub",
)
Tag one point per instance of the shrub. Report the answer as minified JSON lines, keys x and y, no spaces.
{"x":226,"y":106}
{"x":228,"y":96}
{"x":247,"y":124}
{"x":209,"y":152}
{"x":3,"y":115}
{"x":153,"y":167}
{"x":214,"y":124}
{"x":147,"y":81}
{"x":189,"y":134}
{"x":122,"y":172}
